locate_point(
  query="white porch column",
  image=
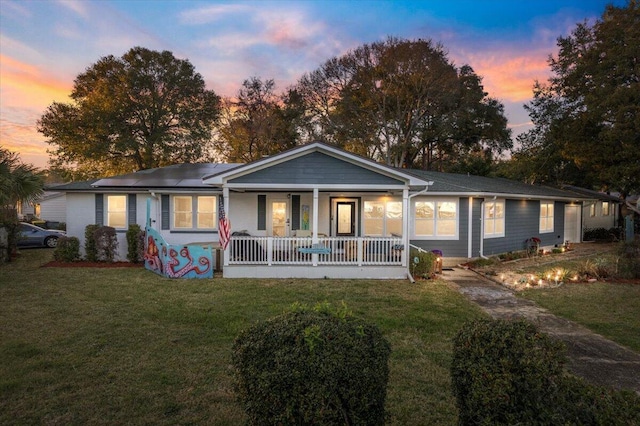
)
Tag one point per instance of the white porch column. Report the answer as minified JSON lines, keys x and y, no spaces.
{"x":225,"y":252}
{"x":470,"y":230}
{"x":405,"y":226}
{"x":314,"y":221}
{"x":314,"y":217}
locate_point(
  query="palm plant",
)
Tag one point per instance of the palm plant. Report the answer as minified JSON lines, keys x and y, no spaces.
{"x":18,"y":181}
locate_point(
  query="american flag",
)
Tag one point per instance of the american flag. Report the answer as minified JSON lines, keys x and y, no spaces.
{"x":224,"y":226}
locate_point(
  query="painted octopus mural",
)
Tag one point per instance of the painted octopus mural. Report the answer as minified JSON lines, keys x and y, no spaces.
{"x":176,"y":261}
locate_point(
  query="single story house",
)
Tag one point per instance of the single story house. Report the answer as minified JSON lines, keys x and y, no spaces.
{"x":599,"y":209}
{"x":318,"y":211}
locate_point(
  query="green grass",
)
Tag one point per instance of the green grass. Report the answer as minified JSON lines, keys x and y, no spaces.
{"x":609,"y":309}
{"x":116,"y":346}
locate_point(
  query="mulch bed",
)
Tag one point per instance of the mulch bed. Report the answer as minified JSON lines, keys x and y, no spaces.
{"x":85,"y":264}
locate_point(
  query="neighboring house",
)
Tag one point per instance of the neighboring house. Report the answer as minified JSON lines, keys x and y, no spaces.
{"x":599,"y":209}
{"x":318,"y":211}
{"x":52,"y":207}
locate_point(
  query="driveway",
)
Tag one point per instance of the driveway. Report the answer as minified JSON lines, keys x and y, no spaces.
{"x":591,"y":356}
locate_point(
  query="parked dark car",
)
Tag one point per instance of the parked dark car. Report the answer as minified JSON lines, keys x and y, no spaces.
{"x":34,"y":236}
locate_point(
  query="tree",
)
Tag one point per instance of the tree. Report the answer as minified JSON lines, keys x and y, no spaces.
{"x":588,"y":113}
{"x":147,"y":109}
{"x":404,"y":103}
{"x":18,"y":181}
{"x":258,"y":123}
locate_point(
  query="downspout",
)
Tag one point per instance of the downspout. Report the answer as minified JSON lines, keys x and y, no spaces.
{"x":406,"y":230}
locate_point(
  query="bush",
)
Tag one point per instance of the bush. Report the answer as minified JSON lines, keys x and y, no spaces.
{"x":90,"y":250}
{"x":312,"y":366}
{"x":599,"y":268}
{"x":425,"y":267}
{"x":629,"y":263}
{"x":502,"y":371}
{"x":67,"y":250}
{"x":135,"y":243}
{"x":106,"y":243}
{"x":602,"y":234}
{"x":507,"y":372}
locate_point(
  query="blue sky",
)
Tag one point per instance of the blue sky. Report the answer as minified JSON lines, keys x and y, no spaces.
{"x":44,"y":45}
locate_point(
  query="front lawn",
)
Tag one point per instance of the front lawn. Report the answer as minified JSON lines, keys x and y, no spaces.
{"x":610,"y":309}
{"x":116,"y":346}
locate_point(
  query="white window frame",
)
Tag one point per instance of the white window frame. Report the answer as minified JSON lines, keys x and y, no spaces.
{"x":195,"y":213}
{"x":494,"y":220}
{"x":385,"y":216}
{"x":109,"y":210}
{"x":547,"y":221}
{"x":605,"y":208}
{"x":592,"y":210}
{"x":436,"y":202}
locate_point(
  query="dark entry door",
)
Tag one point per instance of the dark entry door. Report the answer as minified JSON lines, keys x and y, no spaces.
{"x":346,"y":218}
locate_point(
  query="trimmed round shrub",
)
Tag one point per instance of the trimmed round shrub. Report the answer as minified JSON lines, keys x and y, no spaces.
{"x":504,"y":371}
{"x":67,"y":250}
{"x":312,"y":367}
{"x":507,"y":372}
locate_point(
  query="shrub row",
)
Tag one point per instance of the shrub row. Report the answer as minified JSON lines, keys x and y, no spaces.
{"x":312,"y":366}
{"x":507,"y":372}
{"x":101,"y":244}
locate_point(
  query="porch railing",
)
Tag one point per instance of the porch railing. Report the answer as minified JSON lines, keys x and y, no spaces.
{"x":355,"y":251}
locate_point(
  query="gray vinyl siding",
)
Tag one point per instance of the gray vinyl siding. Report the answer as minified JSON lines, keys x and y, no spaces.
{"x":316,"y":168}
{"x":522,"y":221}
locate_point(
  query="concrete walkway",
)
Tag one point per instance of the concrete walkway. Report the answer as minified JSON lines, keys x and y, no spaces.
{"x":591,"y":356}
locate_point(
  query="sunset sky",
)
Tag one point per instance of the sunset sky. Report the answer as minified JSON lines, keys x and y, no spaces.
{"x":45,"y":44}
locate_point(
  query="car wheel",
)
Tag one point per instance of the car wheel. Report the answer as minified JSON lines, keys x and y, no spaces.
{"x":51,"y":242}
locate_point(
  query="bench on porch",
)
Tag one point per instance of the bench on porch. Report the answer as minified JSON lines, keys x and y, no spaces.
{"x":315,"y":249}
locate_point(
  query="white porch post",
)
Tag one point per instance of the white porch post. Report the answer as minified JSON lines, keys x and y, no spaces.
{"x":225,"y":252}
{"x":314,"y":217}
{"x":314,"y":222}
{"x":405,"y":226}
{"x":470,"y":230}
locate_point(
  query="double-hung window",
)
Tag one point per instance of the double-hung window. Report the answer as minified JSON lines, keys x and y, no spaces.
{"x":494,"y":218}
{"x":382,"y":218}
{"x":546,"y":216}
{"x":605,"y":208}
{"x":436,"y":218}
{"x":116,"y":211}
{"x":194,"y":212}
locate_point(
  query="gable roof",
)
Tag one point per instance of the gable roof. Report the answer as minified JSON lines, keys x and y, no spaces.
{"x":349,"y":161}
{"x":296,"y":168}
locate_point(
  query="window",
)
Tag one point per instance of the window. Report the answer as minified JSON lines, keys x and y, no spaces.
{"x":194,"y":212}
{"x":592,"y":210}
{"x":546,"y":216}
{"x":494,"y":218}
{"x":382,"y":218}
{"x":117,"y":211}
{"x":436,"y":219}
{"x":605,"y":208}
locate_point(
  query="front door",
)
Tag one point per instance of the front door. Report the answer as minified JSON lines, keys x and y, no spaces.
{"x":279,"y":218}
{"x":346,"y":218}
